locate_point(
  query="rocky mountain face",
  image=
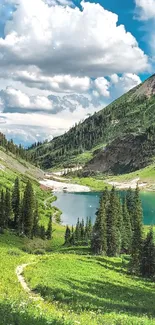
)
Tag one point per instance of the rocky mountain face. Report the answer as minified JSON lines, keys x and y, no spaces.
{"x":124,"y":155}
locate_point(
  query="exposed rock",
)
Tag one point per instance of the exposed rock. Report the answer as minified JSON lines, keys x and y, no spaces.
{"x":124,"y":155}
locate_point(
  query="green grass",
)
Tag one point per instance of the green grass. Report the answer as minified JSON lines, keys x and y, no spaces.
{"x":96,"y":289}
{"x":78,"y":288}
{"x":92,"y":182}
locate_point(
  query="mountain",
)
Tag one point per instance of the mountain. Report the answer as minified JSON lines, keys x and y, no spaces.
{"x":132,"y":114}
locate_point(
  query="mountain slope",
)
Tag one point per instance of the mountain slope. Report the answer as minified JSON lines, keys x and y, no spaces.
{"x":133,"y":113}
{"x":11,"y":167}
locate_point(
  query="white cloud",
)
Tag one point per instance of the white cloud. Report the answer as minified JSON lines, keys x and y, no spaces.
{"x":62,"y":40}
{"x":13,"y":100}
{"x":102,"y":85}
{"x":62,"y":63}
{"x":57,"y":83}
{"x":146,"y":9}
{"x":120,"y":85}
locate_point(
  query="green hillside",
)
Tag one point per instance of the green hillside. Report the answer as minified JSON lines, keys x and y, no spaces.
{"x":133,"y":113}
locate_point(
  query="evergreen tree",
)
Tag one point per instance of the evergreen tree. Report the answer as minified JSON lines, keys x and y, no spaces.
{"x":113,"y":239}
{"x":7,"y":208}
{"x":105,"y":197}
{"x":49,"y":229}
{"x":130,"y":205}
{"x":16,"y":202}
{"x":137,"y":233}
{"x":126,"y":231}
{"x":147,"y":260}
{"x":35,"y":230}
{"x":67,"y":235}
{"x":119,"y":216}
{"x":99,"y":233}
{"x":28,"y":207}
{"x":77,"y":231}
{"x":42,"y":232}
{"x":82,"y":230}
{"x":72,"y":237}
{"x":2,"y":210}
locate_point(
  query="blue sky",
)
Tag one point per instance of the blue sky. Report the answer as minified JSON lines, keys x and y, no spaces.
{"x":62,"y":60}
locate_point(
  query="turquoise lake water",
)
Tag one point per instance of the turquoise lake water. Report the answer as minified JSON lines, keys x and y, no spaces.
{"x":83,"y":205}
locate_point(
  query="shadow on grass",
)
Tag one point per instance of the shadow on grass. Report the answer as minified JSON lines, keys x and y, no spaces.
{"x":101,"y":295}
{"x":10,"y":315}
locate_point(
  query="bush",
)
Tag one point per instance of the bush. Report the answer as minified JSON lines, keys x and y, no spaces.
{"x":39,"y":251}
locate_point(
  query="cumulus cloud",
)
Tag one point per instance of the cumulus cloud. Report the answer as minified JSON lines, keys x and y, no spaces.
{"x":57,"y":83}
{"x":62,"y":63}
{"x":146,"y":9}
{"x":13,"y":100}
{"x":63,"y":40}
{"x":124,"y":83}
{"x":102,"y":86}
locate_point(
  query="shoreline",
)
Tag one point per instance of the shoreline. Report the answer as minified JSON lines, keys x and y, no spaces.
{"x":58,"y":186}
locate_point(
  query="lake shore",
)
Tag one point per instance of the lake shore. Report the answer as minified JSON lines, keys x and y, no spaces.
{"x":59,"y":186}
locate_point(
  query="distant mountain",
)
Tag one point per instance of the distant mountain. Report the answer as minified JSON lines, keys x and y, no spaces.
{"x":132,"y":114}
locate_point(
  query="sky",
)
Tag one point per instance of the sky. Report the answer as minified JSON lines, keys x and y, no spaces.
{"x":61,"y":61}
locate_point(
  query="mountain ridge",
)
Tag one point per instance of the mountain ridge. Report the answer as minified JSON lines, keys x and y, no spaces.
{"x":132,"y":113}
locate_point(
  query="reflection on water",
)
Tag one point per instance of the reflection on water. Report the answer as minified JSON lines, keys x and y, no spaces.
{"x":83,"y":205}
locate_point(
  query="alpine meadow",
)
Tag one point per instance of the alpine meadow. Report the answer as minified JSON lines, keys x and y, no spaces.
{"x":77,"y":162}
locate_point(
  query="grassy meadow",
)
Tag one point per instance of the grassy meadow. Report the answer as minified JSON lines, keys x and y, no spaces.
{"x":77,"y":288}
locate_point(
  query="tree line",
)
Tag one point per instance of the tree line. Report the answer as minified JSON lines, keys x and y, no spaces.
{"x":10,"y":146}
{"x":80,"y":235}
{"x":19,"y":211}
{"x":118,"y":229}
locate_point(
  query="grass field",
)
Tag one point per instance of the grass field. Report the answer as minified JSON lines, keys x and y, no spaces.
{"x":77,"y":288}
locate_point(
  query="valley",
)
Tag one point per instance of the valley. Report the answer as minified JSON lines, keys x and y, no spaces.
{"x":58,"y":275}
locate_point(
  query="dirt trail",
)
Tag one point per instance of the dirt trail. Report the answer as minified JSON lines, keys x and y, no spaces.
{"x":21,"y":279}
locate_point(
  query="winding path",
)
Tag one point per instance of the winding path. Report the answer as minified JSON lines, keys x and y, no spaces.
{"x":21,"y":279}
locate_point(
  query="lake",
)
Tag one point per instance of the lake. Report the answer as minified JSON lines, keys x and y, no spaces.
{"x":83,"y":205}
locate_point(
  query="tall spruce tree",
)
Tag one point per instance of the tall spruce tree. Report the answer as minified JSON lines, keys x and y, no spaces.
{"x":2,"y":209}
{"x":77,"y":231}
{"x":126,"y":231}
{"x":130,"y":205}
{"x":113,"y":239}
{"x":7,"y":208}
{"x":136,"y":246}
{"x":35,"y":230}
{"x":67,"y":235}
{"x":49,"y":229}
{"x":28,"y":209}
{"x":147,"y":260}
{"x":99,"y":233}
{"x":16,"y":202}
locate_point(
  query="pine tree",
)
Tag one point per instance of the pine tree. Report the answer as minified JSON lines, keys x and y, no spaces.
{"x":42,"y":232}
{"x":126,"y":231}
{"x":119,"y":216}
{"x":67,"y":235}
{"x":130,"y":205}
{"x":2,"y":210}
{"x":35,"y":230}
{"x":113,"y":240}
{"x":16,"y":202}
{"x":49,"y":229}
{"x":147,"y":259}
{"x":82,"y":230}
{"x":77,"y":231}
{"x":72,"y":237}
{"x":136,"y":246}
{"x":105,"y":197}
{"x":99,"y":233}
{"x":28,"y":207}
{"x":90,"y":228}
{"x":7,"y":208}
